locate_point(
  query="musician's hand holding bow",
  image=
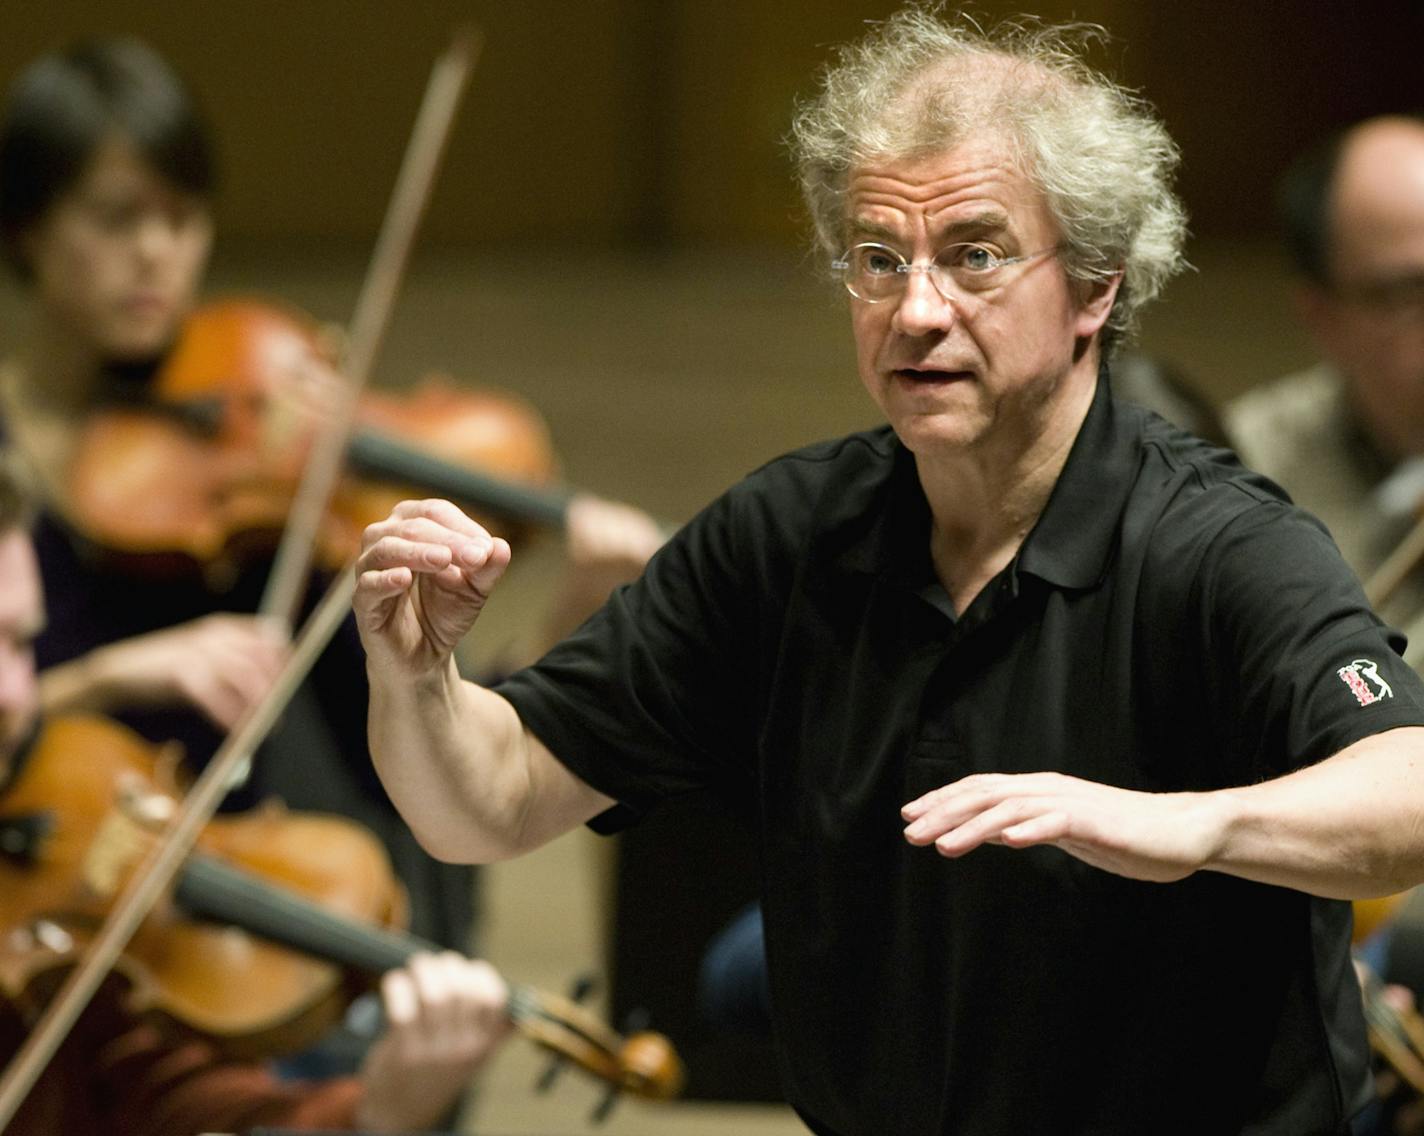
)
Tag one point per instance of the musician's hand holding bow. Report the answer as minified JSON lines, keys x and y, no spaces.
{"x":221,"y":664}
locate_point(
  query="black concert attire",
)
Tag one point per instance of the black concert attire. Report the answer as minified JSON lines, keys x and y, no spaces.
{"x":1171,"y":623}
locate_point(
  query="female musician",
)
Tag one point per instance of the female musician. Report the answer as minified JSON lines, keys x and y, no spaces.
{"x":106,"y":179}
{"x":118,"y":1075}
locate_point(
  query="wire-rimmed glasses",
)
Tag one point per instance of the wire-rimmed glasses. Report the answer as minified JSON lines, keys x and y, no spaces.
{"x":874,"y":272}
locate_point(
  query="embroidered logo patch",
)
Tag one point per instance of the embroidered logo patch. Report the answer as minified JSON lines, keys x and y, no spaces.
{"x":1363,"y":678}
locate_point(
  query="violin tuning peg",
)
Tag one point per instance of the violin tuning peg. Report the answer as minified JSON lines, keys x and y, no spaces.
{"x":605,"y":1106}
{"x":550,"y":1074}
{"x":582,"y":986}
{"x":637,"y":1021}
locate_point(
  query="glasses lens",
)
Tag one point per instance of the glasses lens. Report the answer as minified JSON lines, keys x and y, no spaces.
{"x":1398,"y":301}
{"x":871,"y":271}
{"x":970,"y":267}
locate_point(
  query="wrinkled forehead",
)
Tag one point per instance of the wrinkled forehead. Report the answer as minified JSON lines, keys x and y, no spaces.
{"x":969,"y":191}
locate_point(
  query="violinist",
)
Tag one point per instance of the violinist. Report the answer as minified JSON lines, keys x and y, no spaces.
{"x":118,"y":1075}
{"x":106,"y":184}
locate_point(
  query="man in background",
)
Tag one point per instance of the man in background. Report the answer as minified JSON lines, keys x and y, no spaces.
{"x":1345,"y":437}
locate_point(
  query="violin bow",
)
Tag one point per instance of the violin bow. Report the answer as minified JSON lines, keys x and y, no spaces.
{"x":370,"y":321}
{"x":1397,"y":566}
{"x":372,"y":316}
{"x":167,"y":855}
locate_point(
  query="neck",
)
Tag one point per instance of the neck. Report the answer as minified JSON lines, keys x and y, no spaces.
{"x":984,"y":500}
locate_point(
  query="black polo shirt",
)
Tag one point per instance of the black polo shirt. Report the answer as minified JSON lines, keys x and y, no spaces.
{"x":1172,"y":622}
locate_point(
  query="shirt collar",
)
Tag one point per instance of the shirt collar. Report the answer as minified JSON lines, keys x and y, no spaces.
{"x":1075,"y":535}
{"x":1072,"y":541}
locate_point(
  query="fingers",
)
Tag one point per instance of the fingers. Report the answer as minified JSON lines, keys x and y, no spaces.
{"x":1017,"y":822}
{"x":220,"y":664}
{"x":600,"y":532}
{"x":445,"y":1007}
{"x":942,"y":809}
{"x":1141,"y":835}
{"x":234,"y":662}
{"x":455,"y":562}
{"x":444,"y":1013}
{"x":424,"y":537}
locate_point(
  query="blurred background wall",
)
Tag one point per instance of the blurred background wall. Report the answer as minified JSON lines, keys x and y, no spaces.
{"x":653,"y":122}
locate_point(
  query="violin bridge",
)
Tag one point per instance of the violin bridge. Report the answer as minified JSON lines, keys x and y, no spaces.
{"x":124,"y":836}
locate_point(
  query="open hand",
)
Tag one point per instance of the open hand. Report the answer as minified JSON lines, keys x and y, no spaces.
{"x":1144,"y":836}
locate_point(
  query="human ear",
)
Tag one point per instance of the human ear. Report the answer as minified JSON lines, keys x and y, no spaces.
{"x":1095,"y":304}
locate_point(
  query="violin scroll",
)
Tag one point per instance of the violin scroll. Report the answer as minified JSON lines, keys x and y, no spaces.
{"x":644,"y":1064}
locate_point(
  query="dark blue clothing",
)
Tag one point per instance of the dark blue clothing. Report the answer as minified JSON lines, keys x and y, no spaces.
{"x":733,"y":991}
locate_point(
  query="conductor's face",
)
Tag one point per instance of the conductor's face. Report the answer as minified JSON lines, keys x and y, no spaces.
{"x":969,"y":344}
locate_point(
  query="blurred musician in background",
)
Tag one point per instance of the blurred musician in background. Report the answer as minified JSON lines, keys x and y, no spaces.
{"x":107,"y":178}
{"x":1346,"y":436}
{"x":123,"y":1077}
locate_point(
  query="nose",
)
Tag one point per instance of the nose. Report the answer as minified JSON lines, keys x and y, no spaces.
{"x":922,"y":308}
{"x":157,"y":235}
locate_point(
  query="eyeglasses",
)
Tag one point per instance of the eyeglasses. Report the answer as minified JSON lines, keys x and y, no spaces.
{"x":875,"y":272}
{"x":1398,"y":303}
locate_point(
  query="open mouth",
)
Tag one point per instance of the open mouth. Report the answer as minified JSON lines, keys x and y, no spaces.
{"x":917,"y":375}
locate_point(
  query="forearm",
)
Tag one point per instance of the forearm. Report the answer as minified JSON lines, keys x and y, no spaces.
{"x":453,"y":757}
{"x":1349,"y":827}
{"x":81,"y":685}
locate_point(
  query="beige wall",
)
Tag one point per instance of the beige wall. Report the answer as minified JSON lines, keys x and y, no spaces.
{"x":612,"y":121}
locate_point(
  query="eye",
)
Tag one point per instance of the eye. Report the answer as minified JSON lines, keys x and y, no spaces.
{"x":115,"y":215}
{"x":875,"y":261}
{"x":974,"y":258}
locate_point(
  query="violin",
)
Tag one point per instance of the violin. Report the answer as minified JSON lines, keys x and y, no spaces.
{"x":202,"y":468}
{"x":273,"y":924}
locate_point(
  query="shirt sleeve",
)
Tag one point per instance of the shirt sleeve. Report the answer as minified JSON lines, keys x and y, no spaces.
{"x":654,"y":694}
{"x":1300,"y":666}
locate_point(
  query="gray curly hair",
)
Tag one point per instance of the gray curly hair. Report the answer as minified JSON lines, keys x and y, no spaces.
{"x":920,"y":82}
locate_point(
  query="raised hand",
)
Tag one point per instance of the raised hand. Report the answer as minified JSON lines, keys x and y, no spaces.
{"x":1145,"y":836}
{"x":422,"y":580}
